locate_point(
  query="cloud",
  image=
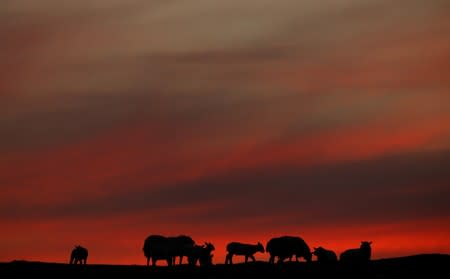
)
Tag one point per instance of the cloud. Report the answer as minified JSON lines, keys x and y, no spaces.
{"x":276,"y":112}
{"x":394,"y":187}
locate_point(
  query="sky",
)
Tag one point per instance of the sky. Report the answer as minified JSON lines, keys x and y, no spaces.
{"x":224,"y":120}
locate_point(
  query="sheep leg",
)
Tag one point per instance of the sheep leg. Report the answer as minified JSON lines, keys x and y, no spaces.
{"x":228,"y":259}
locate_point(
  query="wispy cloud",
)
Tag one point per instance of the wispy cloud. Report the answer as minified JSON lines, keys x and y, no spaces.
{"x":279,"y":113}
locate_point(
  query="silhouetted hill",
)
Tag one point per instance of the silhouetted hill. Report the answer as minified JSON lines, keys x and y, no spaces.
{"x":417,"y":266}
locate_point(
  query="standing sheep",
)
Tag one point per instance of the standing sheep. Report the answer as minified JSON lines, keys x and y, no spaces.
{"x":242,"y":249}
{"x":325,"y":256}
{"x":79,"y":255}
{"x":287,"y":246}
{"x":357,"y":256}
{"x":201,"y":254}
{"x":156,"y":247}
{"x":179,"y":245}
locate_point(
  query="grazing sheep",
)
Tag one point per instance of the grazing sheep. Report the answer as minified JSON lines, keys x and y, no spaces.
{"x":325,"y":256}
{"x":179,"y":245}
{"x":79,"y":255}
{"x":156,"y":247}
{"x":357,"y":256}
{"x":242,"y":249}
{"x":287,"y":246}
{"x":201,"y":254}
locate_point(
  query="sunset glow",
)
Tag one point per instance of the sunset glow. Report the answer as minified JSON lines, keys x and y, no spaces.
{"x":227,"y":121}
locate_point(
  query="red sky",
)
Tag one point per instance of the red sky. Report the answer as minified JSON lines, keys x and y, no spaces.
{"x":227,"y":121}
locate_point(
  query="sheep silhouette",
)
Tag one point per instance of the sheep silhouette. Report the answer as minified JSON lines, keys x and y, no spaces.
{"x":158,"y":247}
{"x":325,"y":256}
{"x":242,"y":249}
{"x":180,"y":244}
{"x":287,"y":246}
{"x":201,"y":254}
{"x":79,"y":255}
{"x":359,"y":255}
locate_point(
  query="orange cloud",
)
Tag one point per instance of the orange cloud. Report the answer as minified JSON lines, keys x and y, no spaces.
{"x":123,"y":119}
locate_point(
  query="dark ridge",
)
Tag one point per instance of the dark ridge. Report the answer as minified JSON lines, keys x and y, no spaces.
{"x":414,"y":266}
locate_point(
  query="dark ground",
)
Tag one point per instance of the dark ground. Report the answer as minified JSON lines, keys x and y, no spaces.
{"x":419,"y":266}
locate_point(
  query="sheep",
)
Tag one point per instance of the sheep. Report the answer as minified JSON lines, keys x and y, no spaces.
{"x":287,"y":246}
{"x":156,"y":247}
{"x":359,"y":255}
{"x":201,"y":254}
{"x":79,"y":255}
{"x":242,"y":249}
{"x":179,"y":245}
{"x":325,"y":256}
